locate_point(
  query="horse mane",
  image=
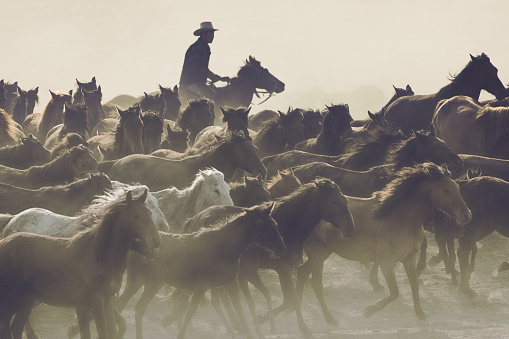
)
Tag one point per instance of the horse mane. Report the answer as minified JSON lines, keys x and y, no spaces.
{"x":496,"y":120}
{"x":405,"y":183}
{"x":49,"y":109}
{"x":401,"y":155}
{"x":455,"y":78}
{"x":7,"y":128}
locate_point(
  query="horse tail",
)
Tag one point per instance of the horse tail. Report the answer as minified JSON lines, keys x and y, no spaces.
{"x":105,"y":166}
{"x":4,"y":220}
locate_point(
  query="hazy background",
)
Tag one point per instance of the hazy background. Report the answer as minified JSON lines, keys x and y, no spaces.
{"x":326,"y":52}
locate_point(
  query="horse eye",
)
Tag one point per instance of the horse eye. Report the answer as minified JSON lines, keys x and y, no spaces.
{"x":216,"y":191}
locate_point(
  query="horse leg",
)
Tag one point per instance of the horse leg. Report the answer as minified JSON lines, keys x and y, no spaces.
{"x":176,"y":297}
{"x":317,"y":285}
{"x":83,"y":315}
{"x":225,"y":299}
{"x":421,"y":265}
{"x":472,"y":260}
{"x":100,"y":318}
{"x":414,"y":285}
{"x":233,"y":291}
{"x":373,"y":278}
{"x":288,"y":288}
{"x":442,"y":251}
{"x":149,"y":291}
{"x":390,"y":278}
{"x":21,"y":317}
{"x":463,"y":254}
{"x":193,"y":305}
{"x":133,"y":284}
{"x":121,"y":323}
{"x":244,"y":287}
{"x":110,"y":317}
{"x":451,"y":260}
{"x":29,"y":331}
{"x":216,"y":303}
{"x":271,"y":315}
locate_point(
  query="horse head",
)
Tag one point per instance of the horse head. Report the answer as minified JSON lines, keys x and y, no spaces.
{"x":486,"y":75}
{"x":260,"y":77}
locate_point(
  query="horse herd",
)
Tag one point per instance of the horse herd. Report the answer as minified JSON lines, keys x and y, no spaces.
{"x":201,"y":195}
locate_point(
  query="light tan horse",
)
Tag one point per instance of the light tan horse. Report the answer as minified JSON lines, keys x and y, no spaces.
{"x":470,"y":128}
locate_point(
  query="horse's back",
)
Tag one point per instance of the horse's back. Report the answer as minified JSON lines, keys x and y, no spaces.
{"x":411,"y":112}
{"x":39,"y":221}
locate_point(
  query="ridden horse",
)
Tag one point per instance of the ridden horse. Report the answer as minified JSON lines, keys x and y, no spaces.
{"x":216,"y":263}
{"x":234,"y":151}
{"x":197,"y":115}
{"x":388,"y":229}
{"x":64,"y":169}
{"x":75,"y":121}
{"x":353,"y":183}
{"x":83,"y":87}
{"x":24,"y":104}
{"x":95,"y":111}
{"x":336,"y":125}
{"x":399,"y":92}
{"x":296,"y":215}
{"x":280,"y":134}
{"x":152,"y":131}
{"x":84,"y":271}
{"x":62,"y":199}
{"x":29,"y":152}
{"x":171,"y":102}
{"x":383,"y":148}
{"x":207,"y":189}
{"x":486,"y":197}
{"x":284,"y":183}
{"x":468,"y":127}
{"x":416,"y":112}
{"x":69,"y":141}
{"x":236,"y":121}
{"x":39,"y":124}
{"x":126,"y":140}
{"x":176,"y":140}
{"x":249,"y":193}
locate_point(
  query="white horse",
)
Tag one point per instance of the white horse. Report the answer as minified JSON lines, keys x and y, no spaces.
{"x":45,"y":222}
{"x":208,"y":189}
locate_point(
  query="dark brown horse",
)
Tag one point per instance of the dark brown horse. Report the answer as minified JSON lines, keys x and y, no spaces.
{"x":3,"y":99}
{"x":240,"y":90}
{"x":176,"y":139}
{"x":95,"y":111}
{"x":336,"y":124}
{"x":24,"y":104}
{"x":182,"y":265}
{"x":83,"y":87}
{"x":249,"y":193}
{"x":152,"y":131}
{"x":230,"y":153}
{"x":467,"y":127}
{"x":126,"y":140}
{"x":399,"y":92}
{"x":284,"y":183}
{"x":65,"y":169}
{"x":296,"y":215}
{"x":75,"y":121}
{"x":392,"y":149}
{"x":197,"y":115}
{"x":492,"y":167}
{"x":39,"y":124}
{"x":29,"y":152}
{"x":486,"y":197}
{"x":281,"y":134}
{"x":171,"y":102}
{"x":388,"y":229}
{"x":151,"y":102}
{"x":65,"y":199}
{"x":236,"y":121}
{"x":84,"y":271}
{"x":10,"y":94}
{"x":415,"y":112}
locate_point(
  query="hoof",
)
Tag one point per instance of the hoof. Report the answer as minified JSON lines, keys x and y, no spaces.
{"x":331,"y":321}
{"x":435,"y":260}
{"x":421,"y":315}
{"x":369,"y":311}
{"x":503,"y":266}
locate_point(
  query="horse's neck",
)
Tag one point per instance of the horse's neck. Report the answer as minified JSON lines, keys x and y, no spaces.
{"x":110,"y":249}
{"x":235,"y":237}
{"x":221,"y":159}
{"x":237,"y":193}
{"x":13,"y":154}
{"x":240,"y":92}
{"x":52,"y":116}
{"x":56,"y":171}
{"x":412,"y":210}
{"x":459,"y":87}
{"x":20,"y":111}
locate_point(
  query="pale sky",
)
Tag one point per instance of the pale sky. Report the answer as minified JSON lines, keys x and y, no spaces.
{"x":335,"y":45}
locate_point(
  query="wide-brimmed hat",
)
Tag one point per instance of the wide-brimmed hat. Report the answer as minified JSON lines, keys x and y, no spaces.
{"x":204,"y":26}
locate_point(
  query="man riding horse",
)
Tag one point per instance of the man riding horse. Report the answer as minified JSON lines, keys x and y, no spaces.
{"x":195,"y":71}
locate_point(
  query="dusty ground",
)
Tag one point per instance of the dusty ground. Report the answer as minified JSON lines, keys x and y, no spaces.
{"x":451,"y":314}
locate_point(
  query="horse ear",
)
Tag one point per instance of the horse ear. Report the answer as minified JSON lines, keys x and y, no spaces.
{"x":79,"y":83}
{"x":36,"y":90}
{"x":129,"y":197}
{"x":282,"y":174}
{"x":146,"y":95}
{"x":259,"y":178}
{"x":99,"y":89}
{"x":432,"y":130}
{"x":222,"y":111}
{"x":471,"y":173}
{"x":371,"y":115}
{"x":144,"y":196}
{"x":472,"y":57}
{"x":269,"y":208}
{"x":176,"y":89}
{"x":70,"y":92}
{"x":168,"y":129}
{"x":52,"y":94}
{"x":246,"y":112}
{"x":93,"y":81}
{"x":408,"y":88}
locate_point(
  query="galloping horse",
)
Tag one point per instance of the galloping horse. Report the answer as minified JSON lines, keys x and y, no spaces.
{"x":84,"y":271}
{"x":468,"y":127}
{"x":29,"y":152}
{"x":415,"y":112}
{"x":388,"y":229}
